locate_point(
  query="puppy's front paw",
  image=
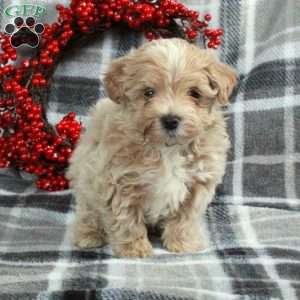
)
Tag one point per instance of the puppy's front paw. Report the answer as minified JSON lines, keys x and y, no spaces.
{"x":176,"y":244}
{"x":138,"y":248}
{"x":88,"y":239}
{"x":88,"y":242}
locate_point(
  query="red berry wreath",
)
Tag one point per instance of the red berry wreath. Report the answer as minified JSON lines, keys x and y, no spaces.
{"x":28,"y":142}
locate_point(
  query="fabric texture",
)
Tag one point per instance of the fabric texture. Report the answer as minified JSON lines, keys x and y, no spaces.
{"x":253,"y":224}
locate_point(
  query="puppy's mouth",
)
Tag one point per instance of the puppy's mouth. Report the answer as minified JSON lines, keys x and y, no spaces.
{"x":156,"y":135}
{"x":171,"y":138}
{"x":170,"y":144}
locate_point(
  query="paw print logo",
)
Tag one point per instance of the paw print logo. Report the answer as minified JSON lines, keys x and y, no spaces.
{"x":24,"y":32}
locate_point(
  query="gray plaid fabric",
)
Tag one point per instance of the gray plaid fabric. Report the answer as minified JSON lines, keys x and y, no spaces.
{"x":254,"y":223}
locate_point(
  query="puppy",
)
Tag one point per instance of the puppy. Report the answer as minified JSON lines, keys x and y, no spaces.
{"x":153,"y":152}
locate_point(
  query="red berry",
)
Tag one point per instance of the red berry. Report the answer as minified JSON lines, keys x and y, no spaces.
{"x":117,"y":18}
{"x":34,"y":63}
{"x":59,"y":7}
{"x":43,"y":82}
{"x":149,"y":35}
{"x":191,"y":34}
{"x":207,"y":17}
{"x":220,"y":31}
{"x":217,"y":41}
{"x":211,"y":44}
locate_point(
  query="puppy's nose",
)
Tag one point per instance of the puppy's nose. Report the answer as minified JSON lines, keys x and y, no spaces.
{"x":170,"y":122}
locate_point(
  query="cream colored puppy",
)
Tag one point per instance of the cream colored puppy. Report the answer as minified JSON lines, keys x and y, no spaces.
{"x":153,"y":152}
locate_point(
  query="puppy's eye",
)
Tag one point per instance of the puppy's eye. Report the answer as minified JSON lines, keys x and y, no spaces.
{"x":149,"y":93}
{"x":193,"y":92}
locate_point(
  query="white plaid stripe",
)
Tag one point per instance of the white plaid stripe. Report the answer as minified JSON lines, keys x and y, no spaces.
{"x":56,"y":277}
{"x":290,"y":178}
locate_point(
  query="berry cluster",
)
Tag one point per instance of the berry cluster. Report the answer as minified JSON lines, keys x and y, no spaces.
{"x":153,"y":17}
{"x":28,"y":142}
{"x":8,"y":52}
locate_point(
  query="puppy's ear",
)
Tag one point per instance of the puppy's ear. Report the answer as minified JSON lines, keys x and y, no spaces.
{"x":224,"y":79}
{"x":115,"y":78}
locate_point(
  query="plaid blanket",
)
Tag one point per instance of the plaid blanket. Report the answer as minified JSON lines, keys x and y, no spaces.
{"x":253,"y":224}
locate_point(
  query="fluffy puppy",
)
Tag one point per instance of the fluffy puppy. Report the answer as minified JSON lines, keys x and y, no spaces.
{"x":153,"y":152}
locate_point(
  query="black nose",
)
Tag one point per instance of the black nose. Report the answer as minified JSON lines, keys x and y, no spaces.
{"x":170,"y":122}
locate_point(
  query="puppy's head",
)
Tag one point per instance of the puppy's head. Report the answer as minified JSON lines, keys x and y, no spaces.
{"x":170,"y":88}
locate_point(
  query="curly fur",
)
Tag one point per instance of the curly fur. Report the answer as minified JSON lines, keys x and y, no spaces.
{"x":128,"y":173}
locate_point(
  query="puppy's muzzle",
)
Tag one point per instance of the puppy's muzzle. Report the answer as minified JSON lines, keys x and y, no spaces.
{"x":170,"y":122}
